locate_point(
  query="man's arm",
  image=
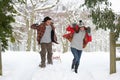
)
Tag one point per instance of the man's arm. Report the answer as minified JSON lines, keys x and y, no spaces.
{"x":34,"y":26}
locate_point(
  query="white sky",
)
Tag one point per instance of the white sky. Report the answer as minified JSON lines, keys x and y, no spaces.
{"x":115,"y":5}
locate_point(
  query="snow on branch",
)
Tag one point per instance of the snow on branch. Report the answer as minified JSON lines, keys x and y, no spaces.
{"x":20,"y":23}
{"x":47,"y":7}
{"x":19,"y":12}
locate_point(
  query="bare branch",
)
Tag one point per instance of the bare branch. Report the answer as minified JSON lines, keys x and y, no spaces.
{"x":17,"y":9}
{"x":32,"y":3}
{"x":51,"y":6}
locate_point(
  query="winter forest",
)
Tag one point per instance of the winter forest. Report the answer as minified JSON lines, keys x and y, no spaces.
{"x":20,"y":55}
{"x":63,"y":14}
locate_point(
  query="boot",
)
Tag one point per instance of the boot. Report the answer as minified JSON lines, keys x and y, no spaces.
{"x":73,"y":65}
{"x":76,"y":68}
{"x":42,"y":65}
{"x":50,"y":62}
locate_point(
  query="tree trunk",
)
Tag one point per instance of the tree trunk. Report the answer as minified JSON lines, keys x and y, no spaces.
{"x":0,"y":59}
{"x":112,"y":53}
{"x":18,"y":46}
{"x":29,"y":40}
{"x":30,"y":32}
{"x":28,"y":24}
{"x":34,"y":41}
{"x":65,"y":47}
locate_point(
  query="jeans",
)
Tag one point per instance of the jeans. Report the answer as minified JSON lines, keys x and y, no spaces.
{"x":77,"y":55}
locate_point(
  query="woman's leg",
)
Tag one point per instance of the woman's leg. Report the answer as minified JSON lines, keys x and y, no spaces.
{"x":79,"y":52}
{"x":74,"y":52}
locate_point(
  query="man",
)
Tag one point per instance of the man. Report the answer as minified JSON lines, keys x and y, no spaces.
{"x":45,"y":37}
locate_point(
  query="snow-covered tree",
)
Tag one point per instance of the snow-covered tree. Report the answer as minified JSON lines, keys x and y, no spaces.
{"x":7,"y":12}
{"x":103,"y":17}
{"x":6,"y":18}
{"x":29,"y":13}
{"x":63,"y":14}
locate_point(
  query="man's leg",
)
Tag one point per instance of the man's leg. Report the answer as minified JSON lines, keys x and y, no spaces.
{"x":49,"y":55}
{"x":43,"y":55}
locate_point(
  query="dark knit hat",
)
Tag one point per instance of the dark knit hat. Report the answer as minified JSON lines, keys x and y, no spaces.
{"x":80,"y":21}
{"x":81,"y":24}
{"x":46,"y":18}
{"x":74,"y":24}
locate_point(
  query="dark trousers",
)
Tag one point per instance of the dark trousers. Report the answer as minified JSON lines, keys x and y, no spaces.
{"x":77,"y":55}
{"x":46,"y":48}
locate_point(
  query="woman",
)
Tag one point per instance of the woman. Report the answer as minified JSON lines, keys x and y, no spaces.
{"x":77,"y":46}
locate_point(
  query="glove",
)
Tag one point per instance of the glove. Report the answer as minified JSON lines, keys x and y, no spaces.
{"x":88,"y":30}
{"x":36,"y":24}
{"x":38,"y":40}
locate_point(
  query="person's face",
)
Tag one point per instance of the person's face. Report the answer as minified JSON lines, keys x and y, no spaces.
{"x":82,"y":28}
{"x":48,"y":22}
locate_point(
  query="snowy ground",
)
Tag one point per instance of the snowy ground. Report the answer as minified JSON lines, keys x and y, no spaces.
{"x":24,"y":66}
